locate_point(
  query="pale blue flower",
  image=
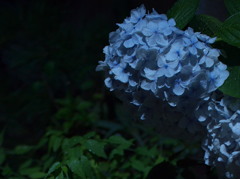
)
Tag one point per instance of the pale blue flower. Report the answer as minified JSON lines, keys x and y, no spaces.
{"x":133,"y":40}
{"x":176,"y":52}
{"x":206,"y":39}
{"x":154,"y":33}
{"x":155,"y":16}
{"x":210,"y":55}
{"x":137,"y":14}
{"x":167,"y":69}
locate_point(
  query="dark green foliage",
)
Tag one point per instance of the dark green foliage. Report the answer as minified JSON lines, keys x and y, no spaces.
{"x":230,"y":30}
{"x":233,"y":6}
{"x":183,"y":11}
{"x":232,"y":84}
{"x":205,"y":24}
{"x":228,"y":42}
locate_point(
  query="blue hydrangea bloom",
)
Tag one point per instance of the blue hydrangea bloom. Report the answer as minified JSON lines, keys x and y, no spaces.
{"x":164,"y":72}
{"x":221,"y":116}
{"x":148,"y":54}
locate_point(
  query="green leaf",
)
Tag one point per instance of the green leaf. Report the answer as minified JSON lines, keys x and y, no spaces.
{"x":233,"y":6}
{"x":29,"y":171}
{"x":60,"y":176}
{"x":75,"y":152}
{"x":86,"y":167}
{"x":36,"y":175}
{"x":25,"y":164}
{"x":65,"y":171}
{"x":229,"y":54}
{"x":76,"y":167}
{"x":205,"y":24}
{"x":55,"y":142}
{"x":54,"y":167}
{"x":139,"y":165}
{"x":71,"y":142}
{"x":22,"y":149}
{"x":230,"y":30}
{"x":122,"y":143}
{"x":81,"y":167}
{"x":183,"y":11}
{"x":232,"y":84}
{"x":96,"y":147}
{"x":89,"y":135}
{"x":119,"y":140}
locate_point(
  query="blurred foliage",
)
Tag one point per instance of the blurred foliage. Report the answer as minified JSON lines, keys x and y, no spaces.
{"x":56,"y":119}
{"x":76,"y":145}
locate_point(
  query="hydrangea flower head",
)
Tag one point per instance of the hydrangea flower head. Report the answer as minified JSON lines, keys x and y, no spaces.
{"x":222,"y":143}
{"x":149,"y":56}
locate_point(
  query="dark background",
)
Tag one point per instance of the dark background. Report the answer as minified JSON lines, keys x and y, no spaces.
{"x":49,"y":49}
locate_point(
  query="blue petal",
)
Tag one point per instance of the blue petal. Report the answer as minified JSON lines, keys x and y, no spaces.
{"x":129,"y":43}
{"x":193,"y":50}
{"x":236,"y":129}
{"x":151,"y":40}
{"x":209,"y":62}
{"x":150,"y":74}
{"x":132,"y":83}
{"x":178,"y":90}
{"x":108,"y":82}
{"x":171,"y":22}
{"x":123,"y":77}
{"x":147,"y":32}
{"x":160,"y":39}
{"x":145,"y":85}
{"x":102,"y":66}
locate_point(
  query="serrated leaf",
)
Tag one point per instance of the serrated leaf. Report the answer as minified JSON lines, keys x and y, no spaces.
{"x":117,"y":151}
{"x":75,"y":152}
{"x":96,"y":147}
{"x":205,"y":24}
{"x":230,"y":30}
{"x":183,"y":11}
{"x":233,"y":6}
{"x":122,"y":143}
{"x":76,"y":167}
{"x":86,"y":167}
{"x":232,"y":84}
{"x":71,"y":142}
{"x":139,"y":165}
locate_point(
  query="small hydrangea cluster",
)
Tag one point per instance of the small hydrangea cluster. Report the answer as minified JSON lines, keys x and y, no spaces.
{"x":170,"y":78}
{"x":222,"y":143}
